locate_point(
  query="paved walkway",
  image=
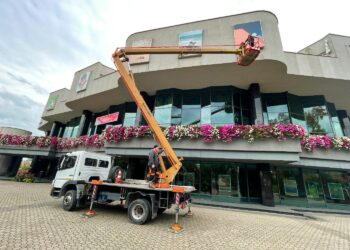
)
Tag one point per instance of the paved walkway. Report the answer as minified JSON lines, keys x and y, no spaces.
{"x":31,"y":219}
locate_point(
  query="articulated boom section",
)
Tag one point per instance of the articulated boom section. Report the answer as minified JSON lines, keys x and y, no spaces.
{"x":128,"y":79}
{"x":247,"y":53}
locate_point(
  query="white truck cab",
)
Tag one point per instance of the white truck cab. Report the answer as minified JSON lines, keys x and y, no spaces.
{"x":82,"y":166}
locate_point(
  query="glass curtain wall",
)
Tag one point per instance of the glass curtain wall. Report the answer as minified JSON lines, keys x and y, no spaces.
{"x":338,"y":131}
{"x":191,"y":108}
{"x":163,"y":107}
{"x":222,"y":181}
{"x":216,"y":106}
{"x":275,"y":108}
{"x":336,"y":185}
{"x":296,"y":110}
{"x":130,"y":114}
{"x":221,"y":106}
{"x":316,"y":115}
{"x":289,"y":181}
{"x":311,"y":187}
{"x":71,"y":128}
{"x":241,"y":107}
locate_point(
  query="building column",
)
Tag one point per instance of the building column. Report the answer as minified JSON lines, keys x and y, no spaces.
{"x":84,"y":123}
{"x":257,"y":117}
{"x":55,"y":129}
{"x":266,"y":185}
{"x":344,"y":121}
{"x":15,"y":164}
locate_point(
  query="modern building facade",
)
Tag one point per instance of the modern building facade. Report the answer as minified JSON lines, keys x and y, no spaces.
{"x":310,"y":88}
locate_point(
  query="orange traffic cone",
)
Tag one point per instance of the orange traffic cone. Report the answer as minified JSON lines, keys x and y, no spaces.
{"x":119,"y":179}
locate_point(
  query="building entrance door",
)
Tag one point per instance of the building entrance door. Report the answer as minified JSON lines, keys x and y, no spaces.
{"x":249,"y":183}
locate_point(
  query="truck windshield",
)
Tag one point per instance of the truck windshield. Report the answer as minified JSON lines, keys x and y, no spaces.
{"x":67,"y":162}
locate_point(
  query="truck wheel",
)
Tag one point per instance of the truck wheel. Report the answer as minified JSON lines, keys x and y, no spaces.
{"x":70,"y":200}
{"x":139,"y":211}
{"x":161,"y":210}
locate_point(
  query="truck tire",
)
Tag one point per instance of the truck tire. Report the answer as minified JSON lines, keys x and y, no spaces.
{"x":70,"y":200}
{"x":139,"y":211}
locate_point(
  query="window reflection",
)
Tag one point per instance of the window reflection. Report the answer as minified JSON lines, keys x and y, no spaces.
{"x":163,"y":108}
{"x":221,"y":107}
{"x":275,"y":108}
{"x":317,"y":120}
{"x":72,"y":127}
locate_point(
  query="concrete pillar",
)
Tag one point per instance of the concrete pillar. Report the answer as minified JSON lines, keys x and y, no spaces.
{"x":55,"y":129}
{"x":15,"y":164}
{"x":5,"y":163}
{"x":257,"y":117}
{"x":344,"y":121}
{"x":84,"y":123}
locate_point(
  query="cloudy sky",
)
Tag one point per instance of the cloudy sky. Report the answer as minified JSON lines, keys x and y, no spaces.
{"x":43,"y":42}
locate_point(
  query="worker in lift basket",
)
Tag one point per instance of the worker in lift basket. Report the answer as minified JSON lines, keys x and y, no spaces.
{"x":153,"y":163}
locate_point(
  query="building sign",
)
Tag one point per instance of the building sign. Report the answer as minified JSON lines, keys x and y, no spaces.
{"x":52,"y":102}
{"x":107,"y":119}
{"x":138,"y":59}
{"x":290,"y":187}
{"x":191,"y":39}
{"x":243,"y":30}
{"x":83,"y":81}
{"x":335,"y":191}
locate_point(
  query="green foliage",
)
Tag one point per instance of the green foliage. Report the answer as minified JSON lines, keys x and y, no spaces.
{"x":24,"y":174}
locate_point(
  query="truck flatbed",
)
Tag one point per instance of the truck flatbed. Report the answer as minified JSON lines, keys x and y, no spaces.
{"x":144,"y":185}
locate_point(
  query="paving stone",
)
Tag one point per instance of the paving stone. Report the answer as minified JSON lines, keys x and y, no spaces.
{"x":31,"y":219}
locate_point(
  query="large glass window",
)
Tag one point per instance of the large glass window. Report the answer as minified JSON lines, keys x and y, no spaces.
{"x":275,"y":108}
{"x":249,"y":183}
{"x":338,"y":131}
{"x":224,"y":179}
{"x":318,"y":121}
{"x":336,"y":185}
{"x":241,"y":107}
{"x":291,"y":185}
{"x":189,"y":174}
{"x":72,"y":127}
{"x":130,"y":115}
{"x":205,"y":107}
{"x":313,"y":186}
{"x":191,"y":108}
{"x":221,"y":107}
{"x":176,"y":108}
{"x":163,"y":108}
{"x":316,"y":115}
{"x":296,"y":110}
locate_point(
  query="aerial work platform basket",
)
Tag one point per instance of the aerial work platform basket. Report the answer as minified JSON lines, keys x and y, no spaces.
{"x":250,"y":51}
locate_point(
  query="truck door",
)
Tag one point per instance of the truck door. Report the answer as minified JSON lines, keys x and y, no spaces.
{"x":88,"y":169}
{"x":66,"y":170}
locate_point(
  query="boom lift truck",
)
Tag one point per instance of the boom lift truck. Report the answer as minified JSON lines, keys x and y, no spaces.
{"x":143,"y":202}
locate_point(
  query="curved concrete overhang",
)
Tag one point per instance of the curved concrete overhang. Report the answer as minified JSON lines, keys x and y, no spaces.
{"x":210,"y":19}
{"x":62,"y":117}
{"x":44,"y":125}
{"x":182,"y":78}
{"x":101,"y":93}
{"x":270,"y":74}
